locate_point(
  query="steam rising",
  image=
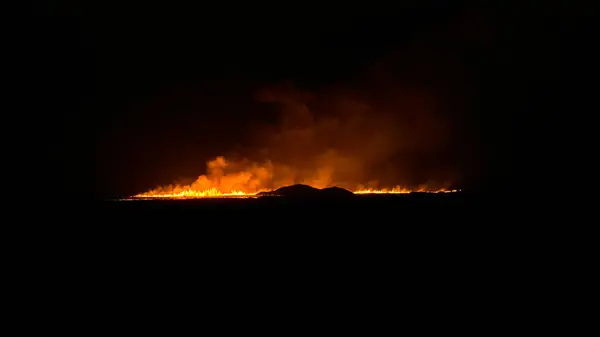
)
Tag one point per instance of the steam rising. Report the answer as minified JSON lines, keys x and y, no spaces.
{"x":339,"y":138}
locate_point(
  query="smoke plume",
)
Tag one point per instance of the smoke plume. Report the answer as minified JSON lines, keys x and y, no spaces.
{"x":397,"y":125}
{"x":339,"y":138}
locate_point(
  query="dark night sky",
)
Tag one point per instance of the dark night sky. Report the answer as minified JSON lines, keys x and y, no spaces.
{"x":141,"y":96}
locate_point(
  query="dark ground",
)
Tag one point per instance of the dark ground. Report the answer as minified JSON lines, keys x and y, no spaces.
{"x":206,"y":259}
{"x":291,"y":222}
{"x":321,"y":211}
{"x":276,"y":224}
{"x":266,"y":209}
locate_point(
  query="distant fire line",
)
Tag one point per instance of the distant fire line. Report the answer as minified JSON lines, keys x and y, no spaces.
{"x":215,"y":193}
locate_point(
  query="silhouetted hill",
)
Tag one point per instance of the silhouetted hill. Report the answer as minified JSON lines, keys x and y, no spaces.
{"x":335,"y":192}
{"x":305,"y":191}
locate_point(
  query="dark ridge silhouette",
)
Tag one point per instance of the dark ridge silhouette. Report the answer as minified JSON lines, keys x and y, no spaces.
{"x":305,"y":191}
{"x":298,"y":190}
{"x":336,"y":192}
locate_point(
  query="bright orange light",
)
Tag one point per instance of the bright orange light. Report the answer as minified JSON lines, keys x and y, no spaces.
{"x":226,"y":180}
{"x":215,"y":193}
{"x":190,"y":194}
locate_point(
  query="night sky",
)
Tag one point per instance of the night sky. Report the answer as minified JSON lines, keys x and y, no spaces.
{"x":130,"y":97}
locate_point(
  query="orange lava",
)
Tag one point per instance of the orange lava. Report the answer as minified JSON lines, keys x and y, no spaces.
{"x":190,"y":194}
{"x":215,"y":193}
{"x":401,"y":190}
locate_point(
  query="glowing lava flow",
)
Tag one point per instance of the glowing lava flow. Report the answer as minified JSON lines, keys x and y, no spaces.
{"x":190,"y":193}
{"x":216,"y":193}
{"x":396,"y":190}
{"x":400,"y":190}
